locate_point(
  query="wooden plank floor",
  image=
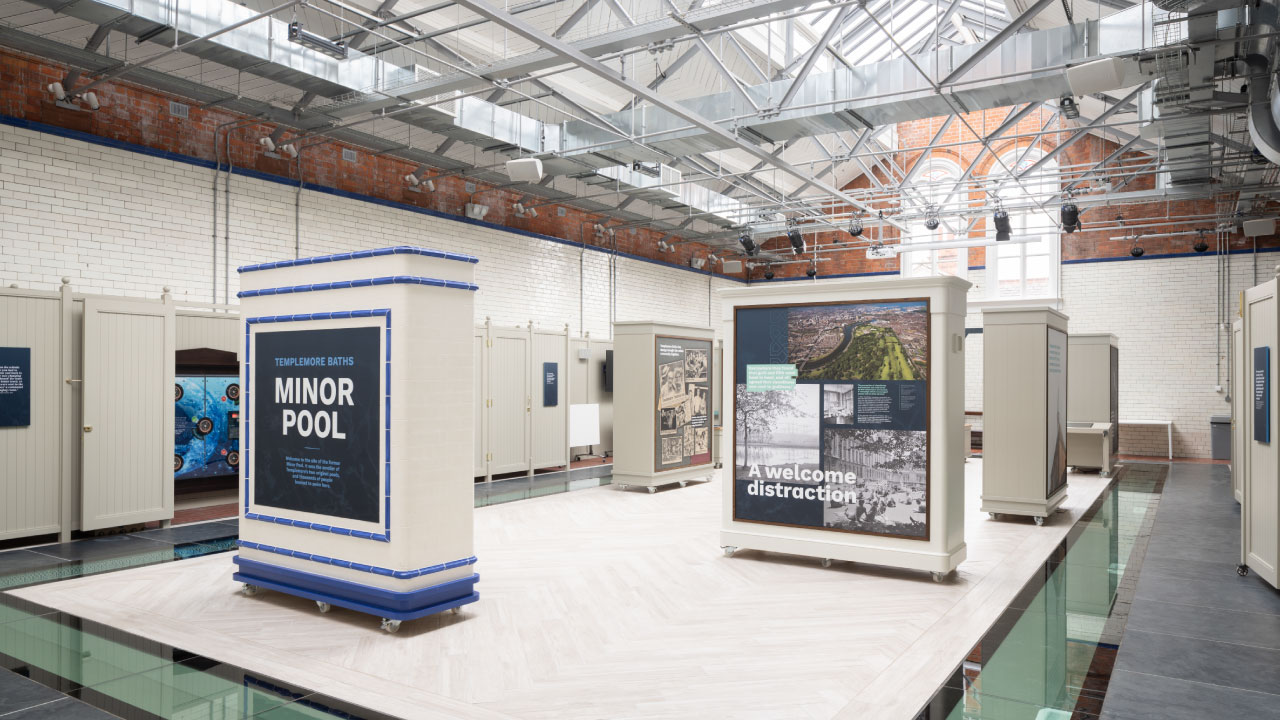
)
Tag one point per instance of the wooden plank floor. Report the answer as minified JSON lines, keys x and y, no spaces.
{"x":610,"y":604}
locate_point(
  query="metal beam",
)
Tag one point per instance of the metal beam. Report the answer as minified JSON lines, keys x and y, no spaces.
{"x":1102,"y":118}
{"x":814,"y":53}
{"x":943,"y":21}
{"x":996,"y":41}
{"x":666,"y":73}
{"x":92,"y":44}
{"x":1103,"y":163}
{"x":620,"y":12}
{"x":599,"y":69}
{"x":924,"y":156}
{"x":733,"y":81}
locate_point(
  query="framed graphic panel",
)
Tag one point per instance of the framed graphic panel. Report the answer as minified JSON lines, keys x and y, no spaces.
{"x":1056,"y":411}
{"x":844,"y":446}
{"x":682,"y":427}
{"x":15,"y":386}
{"x":206,"y":426}
{"x":317,"y":413}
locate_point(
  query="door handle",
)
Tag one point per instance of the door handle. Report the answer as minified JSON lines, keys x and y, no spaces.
{"x":88,"y":428}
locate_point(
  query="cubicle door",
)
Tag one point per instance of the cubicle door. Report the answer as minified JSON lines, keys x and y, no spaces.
{"x":481,"y":446}
{"x":550,"y":400}
{"x":127,"y":436}
{"x":510,"y":402}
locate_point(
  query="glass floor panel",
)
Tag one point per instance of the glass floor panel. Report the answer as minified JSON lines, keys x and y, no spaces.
{"x":1048,"y":656}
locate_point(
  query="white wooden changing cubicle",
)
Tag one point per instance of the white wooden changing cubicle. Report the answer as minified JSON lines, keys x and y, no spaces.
{"x":515,"y":431}
{"x":1260,"y":479}
{"x":1238,"y":407}
{"x":99,"y":450}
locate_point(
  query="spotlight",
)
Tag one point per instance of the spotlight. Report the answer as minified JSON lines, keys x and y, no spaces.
{"x":748,"y":245}
{"x":316,"y":42}
{"x":768,"y":272}
{"x":1070,"y":215}
{"x":931,"y":223}
{"x":1067,"y":106}
{"x":812,"y":271}
{"x":1003,"y":226}
{"x":58,"y":91}
{"x":291,"y":150}
{"x":797,"y":240}
{"x":931,"y":217}
{"x":268,"y":143}
{"x":1201,"y":245}
{"x":855,"y":226}
{"x":1136,"y":251}
{"x":91,"y":100}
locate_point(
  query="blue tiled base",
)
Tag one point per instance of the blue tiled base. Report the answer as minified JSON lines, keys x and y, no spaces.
{"x":354,"y":596}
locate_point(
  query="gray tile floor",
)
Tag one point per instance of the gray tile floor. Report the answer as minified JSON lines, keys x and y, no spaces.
{"x":1201,"y":641}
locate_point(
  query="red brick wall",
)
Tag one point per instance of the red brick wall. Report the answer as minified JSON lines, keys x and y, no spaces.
{"x":140,"y":116}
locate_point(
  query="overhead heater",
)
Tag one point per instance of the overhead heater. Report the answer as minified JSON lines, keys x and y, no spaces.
{"x":319,"y":43}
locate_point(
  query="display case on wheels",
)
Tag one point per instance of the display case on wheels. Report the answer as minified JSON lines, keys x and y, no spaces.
{"x":1024,"y":435}
{"x":663,"y":414}
{"x":845,"y":414}
{"x":356,"y":484}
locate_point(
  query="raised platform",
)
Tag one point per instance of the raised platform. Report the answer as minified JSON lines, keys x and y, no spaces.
{"x":602,"y":603}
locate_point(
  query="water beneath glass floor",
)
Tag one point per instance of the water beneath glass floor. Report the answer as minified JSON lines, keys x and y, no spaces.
{"x":1049,"y":655}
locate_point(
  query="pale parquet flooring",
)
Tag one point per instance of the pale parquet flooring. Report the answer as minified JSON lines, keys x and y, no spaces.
{"x":609,"y":604}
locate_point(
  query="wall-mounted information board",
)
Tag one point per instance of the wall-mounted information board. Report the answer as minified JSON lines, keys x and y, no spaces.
{"x":15,"y":386}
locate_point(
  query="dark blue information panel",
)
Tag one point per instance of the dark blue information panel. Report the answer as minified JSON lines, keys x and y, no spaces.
{"x":831,"y":416}
{"x":316,"y":409}
{"x":550,"y":384}
{"x":15,"y":386}
{"x":1262,"y":394}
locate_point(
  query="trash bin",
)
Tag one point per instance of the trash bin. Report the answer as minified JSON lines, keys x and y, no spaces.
{"x":1220,"y":436}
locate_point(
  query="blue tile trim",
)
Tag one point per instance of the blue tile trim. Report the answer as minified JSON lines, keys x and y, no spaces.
{"x":359,"y":254}
{"x":246,"y":435}
{"x":367,"y":282}
{"x":198,"y":162}
{"x":388,"y":572}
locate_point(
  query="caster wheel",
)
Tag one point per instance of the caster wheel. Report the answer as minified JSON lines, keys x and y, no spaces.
{"x":1039,"y":521}
{"x":729,"y":551}
{"x":652,"y":489}
{"x":455,"y":610}
{"x":684,"y":483}
{"x":390,"y":626}
{"x":1242,"y":570}
{"x":248,"y":590}
{"x":826,"y":562}
{"x":994,"y":516}
{"x":622,"y":487}
{"x":938,"y":576}
{"x":323,"y":607}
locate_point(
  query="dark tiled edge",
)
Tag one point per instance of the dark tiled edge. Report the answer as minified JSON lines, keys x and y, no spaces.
{"x":1088,"y":707}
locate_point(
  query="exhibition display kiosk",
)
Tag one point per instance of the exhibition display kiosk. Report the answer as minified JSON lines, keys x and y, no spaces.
{"x":1094,"y":393}
{"x":1260,"y":482}
{"x":845,"y":410}
{"x":662,"y":404}
{"x":1024,"y":403}
{"x":356,"y":485}
{"x":1239,"y":406}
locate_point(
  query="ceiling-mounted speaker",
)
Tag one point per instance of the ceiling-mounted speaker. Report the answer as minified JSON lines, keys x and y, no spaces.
{"x":1097,"y":76}
{"x":732,"y":267}
{"x":525,"y":170}
{"x":1260,"y":228}
{"x":476,"y":211}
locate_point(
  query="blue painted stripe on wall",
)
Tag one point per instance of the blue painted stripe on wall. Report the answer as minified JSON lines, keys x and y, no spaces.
{"x":359,"y":254}
{"x":366,"y":282}
{"x":374,"y":569}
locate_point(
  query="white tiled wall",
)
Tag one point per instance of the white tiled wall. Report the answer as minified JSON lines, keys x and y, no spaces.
{"x":118,"y":222}
{"x":1164,"y":312}
{"x":121,"y":223}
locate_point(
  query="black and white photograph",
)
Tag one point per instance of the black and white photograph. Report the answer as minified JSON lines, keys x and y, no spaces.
{"x":668,"y":422}
{"x":682,"y":407}
{"x":673,"y":449}
{"x":777,"y":428}
{"x":690,"y":441}
{"x":837,"y":403}
{"x":670,"y":383}
{"x":698,"y":401}
{"x":696,"y":365}
{"x":701,"y":437}
{"x":890,"y":489}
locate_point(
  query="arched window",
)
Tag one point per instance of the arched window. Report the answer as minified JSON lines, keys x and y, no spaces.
{"x":931,"y":187}
{"x":1026,"y":270}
